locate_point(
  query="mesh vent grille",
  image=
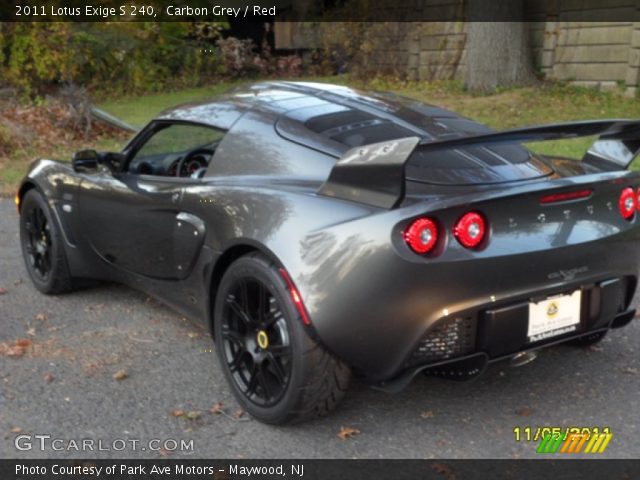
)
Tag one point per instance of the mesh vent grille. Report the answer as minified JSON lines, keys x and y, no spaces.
{"x":451,"y":338}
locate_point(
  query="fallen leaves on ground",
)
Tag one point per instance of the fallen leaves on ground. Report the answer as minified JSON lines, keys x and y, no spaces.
{"x":194,"y":414}
{"x":216,"y":409}
{"x":41,"y":317}
{"x":630,"y":371}
{"x":16,"y":349}
{"x":347,"y":432}
{"x":16,"y":430}
{"x":2,"y":291}
{"x":121,"y":375}
{"x":595,"y":348}
{"x":164,"y":452}
{"x":54,"y":123}
{"x":443,"y":469}
{"x":48,"y":377}
{"x":524,"y":412}
{"x":427,"y":414}
{"x":31,"y":331}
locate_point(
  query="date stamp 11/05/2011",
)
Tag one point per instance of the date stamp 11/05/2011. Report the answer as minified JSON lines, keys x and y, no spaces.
{"x":570,"y":440}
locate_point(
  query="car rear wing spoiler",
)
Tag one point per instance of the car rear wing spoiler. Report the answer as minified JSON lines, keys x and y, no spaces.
{"x":375,"y":174}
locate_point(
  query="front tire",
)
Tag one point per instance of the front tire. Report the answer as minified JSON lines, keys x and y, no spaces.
{"x":42,"y":247}
{"x":277,"y":372}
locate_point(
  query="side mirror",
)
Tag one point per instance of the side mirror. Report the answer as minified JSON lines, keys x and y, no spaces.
{"x":112,"y":160}
{"x":85,"y":160}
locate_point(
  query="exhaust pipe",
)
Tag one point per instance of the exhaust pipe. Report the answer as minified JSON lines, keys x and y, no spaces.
{"x":522,"y":358}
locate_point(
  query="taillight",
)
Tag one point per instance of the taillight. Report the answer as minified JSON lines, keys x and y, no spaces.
{"x":422,"y":235}
{"x":470,"y":229}
{"x":627,"y":203}
{"x":638,"y":199}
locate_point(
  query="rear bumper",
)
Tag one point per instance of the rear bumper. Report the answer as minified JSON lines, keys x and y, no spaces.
{"x":471,"y":366}
{"x":371,"y":300}
{"x":460,"y":348}
{"x":371,"y":307}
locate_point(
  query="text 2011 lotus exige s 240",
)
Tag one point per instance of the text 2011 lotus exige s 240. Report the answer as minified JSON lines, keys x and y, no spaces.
{"x":321,"y":231}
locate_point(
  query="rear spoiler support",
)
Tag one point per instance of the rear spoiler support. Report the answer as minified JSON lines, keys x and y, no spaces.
{"x":371,"y":174}
{"x":375,"y":174}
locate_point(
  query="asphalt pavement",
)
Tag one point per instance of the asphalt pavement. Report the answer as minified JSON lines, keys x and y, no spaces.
{"x":112,"y":366}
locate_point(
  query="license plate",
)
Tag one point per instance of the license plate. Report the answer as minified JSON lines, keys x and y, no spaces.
{"x":554,"y":316}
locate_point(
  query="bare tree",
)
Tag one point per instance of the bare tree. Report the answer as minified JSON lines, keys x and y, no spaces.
{"x":498,"y":53}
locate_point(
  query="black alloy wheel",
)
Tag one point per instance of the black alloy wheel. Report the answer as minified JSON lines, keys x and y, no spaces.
{"x":38,"y":242}
{"x":256,"y":341}
{"x":276,"y":370}
{"x":42,"y":247}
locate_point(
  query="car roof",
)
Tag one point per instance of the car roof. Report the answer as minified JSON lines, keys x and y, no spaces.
{"x":329,"y":105}
{"x":331,"y":119}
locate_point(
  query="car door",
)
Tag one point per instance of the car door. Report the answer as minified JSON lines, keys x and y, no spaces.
{"x":132,"y":218}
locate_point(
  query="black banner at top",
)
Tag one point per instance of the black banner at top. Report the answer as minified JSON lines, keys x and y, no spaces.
{"x":319,"y":10}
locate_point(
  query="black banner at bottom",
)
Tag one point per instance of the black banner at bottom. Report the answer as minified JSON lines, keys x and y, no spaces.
{"x":583,"y":469}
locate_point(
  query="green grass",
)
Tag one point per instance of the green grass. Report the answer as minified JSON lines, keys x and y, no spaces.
{"x":530,"y":106}
{"x":13,"y":169}
{"x":505,"y":109}
{"x":135,"y":110}
{"x":138,"y":110}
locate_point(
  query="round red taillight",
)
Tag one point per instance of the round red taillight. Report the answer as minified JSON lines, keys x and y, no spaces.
{"x":638,"y":199}
{"x":470,"y":230}
{"x":422,"y":235}
{"x":627,"y":203}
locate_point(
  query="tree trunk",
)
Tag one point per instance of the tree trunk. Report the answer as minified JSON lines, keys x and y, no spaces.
{"x":498,"y":53}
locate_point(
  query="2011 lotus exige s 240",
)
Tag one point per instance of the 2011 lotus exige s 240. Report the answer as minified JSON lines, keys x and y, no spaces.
{"x":320,"y":231}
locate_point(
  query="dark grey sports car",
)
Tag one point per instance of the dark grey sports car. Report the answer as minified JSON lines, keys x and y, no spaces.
{"x":319,"y":230}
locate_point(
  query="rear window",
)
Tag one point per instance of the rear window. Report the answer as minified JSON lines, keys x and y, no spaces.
{"x":476,"y":165}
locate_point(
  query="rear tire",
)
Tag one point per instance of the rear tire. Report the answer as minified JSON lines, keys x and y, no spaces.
{"x":42,"y":245}
{"x":277,"y":372}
